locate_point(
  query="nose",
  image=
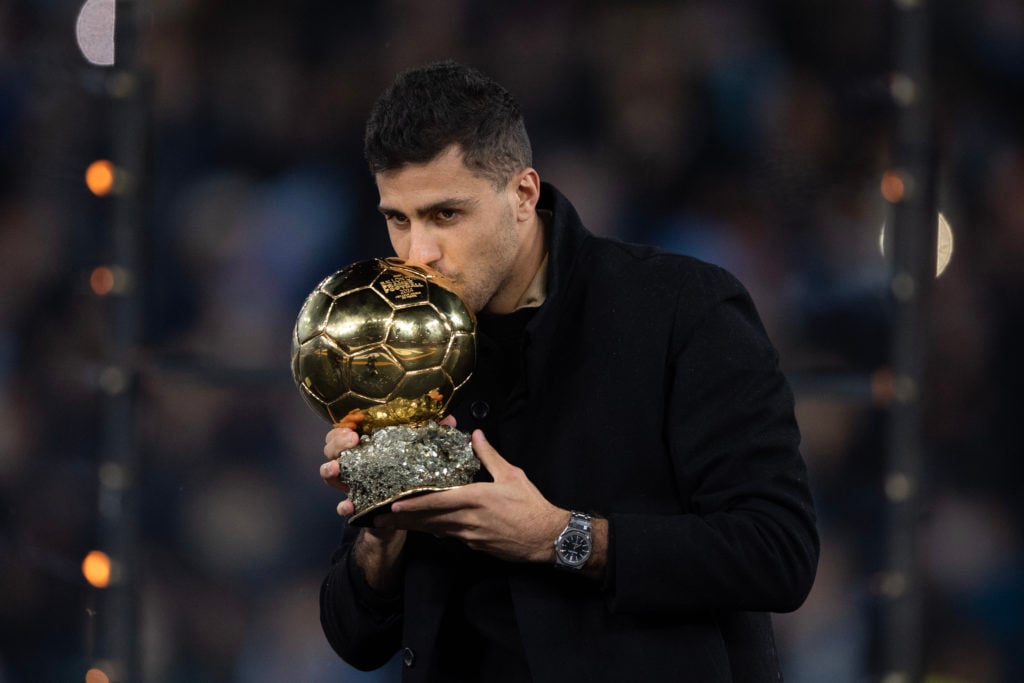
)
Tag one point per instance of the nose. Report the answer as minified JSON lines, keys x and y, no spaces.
{"x":423,"y":246}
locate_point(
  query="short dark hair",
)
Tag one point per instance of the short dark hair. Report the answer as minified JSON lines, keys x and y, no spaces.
{"x":430,"y":108}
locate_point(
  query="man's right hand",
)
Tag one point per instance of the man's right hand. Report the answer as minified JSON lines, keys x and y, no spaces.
{"x":377,"y":551}
{"x":338,"y":440}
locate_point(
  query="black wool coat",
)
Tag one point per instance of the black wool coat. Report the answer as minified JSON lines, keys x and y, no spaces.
{"x":649,"y":395}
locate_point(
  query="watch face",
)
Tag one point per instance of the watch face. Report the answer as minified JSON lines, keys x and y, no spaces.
{"x":574,"y":547}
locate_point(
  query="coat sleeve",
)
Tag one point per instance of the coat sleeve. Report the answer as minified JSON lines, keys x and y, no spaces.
{"x":363,"y":626}
{"x":747,"y":538}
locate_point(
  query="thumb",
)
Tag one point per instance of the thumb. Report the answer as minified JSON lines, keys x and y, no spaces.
{"x":490,"y":458}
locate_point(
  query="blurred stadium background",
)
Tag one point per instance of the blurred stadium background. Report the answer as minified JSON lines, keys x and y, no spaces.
{"x":757,"y":135}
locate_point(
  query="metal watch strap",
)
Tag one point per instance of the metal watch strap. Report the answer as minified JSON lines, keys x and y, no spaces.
{"x":579,"y":523}
{"x":579,"y":520}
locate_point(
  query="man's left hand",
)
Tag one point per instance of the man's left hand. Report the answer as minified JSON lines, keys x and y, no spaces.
{"x":508,"y":518}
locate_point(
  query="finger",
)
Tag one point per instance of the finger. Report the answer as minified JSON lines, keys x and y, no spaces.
{"x":338,"y":440}
{"x":489,"y":457}
{"x":422,"y":503}
{"x":330,"y":473}
{"x":439,"y":501}
{"x":448,"y":421}
{"x":345,"y":508}
{"x":335,"y":432}
{"x":343,"y":433}
{"x":446,"y":523}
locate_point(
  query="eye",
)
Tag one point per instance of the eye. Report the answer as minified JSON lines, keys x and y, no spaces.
{"x":446,"y":215}
{"x":396,"y":220}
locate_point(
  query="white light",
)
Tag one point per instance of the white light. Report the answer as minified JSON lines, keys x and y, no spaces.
{"x":944,"y":245}
{"x":94,"y":31}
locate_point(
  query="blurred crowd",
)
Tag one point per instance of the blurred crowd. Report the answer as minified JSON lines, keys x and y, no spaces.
{"x":750,"y":134}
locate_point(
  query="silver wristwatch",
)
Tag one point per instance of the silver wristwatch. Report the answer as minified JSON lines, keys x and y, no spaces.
{"x":573,"y":545}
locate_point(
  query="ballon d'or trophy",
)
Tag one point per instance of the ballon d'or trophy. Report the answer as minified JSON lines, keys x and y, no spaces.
{"x":382,"y":346}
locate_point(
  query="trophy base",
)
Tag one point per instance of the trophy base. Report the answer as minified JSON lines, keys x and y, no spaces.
{"x":402,"y":461}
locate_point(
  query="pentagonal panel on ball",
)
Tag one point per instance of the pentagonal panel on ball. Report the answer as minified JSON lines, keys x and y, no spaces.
{"x":312,"y":316}
{"x":402,"y":289}
{"x":358,"y":319}
{"x":374,"y":373}
{"x":418,"y":337}
{"x":319,"y":366}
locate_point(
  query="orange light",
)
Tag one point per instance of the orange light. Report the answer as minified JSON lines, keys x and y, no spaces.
{"x":96,"y":676}
{"x":96,"y":569}
{"x":882,"y":386}
{"x":102,"y":280}
{"x":100,"y":177}
{"x":893,"y":188}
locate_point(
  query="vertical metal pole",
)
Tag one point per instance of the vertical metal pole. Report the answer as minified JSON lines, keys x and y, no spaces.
{"x":119,"y":460}
{"x":914,"y":259}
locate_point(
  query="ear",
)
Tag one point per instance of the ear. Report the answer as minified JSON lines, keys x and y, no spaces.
{"x":527,"y":193}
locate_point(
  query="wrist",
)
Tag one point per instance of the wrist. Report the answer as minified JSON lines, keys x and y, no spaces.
{"x":547,"y":530}
{"x":378,"y":553}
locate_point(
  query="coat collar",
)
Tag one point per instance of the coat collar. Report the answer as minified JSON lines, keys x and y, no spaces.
{"x":566,"y":239}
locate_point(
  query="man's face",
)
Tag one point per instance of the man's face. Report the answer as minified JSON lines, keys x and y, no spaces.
{"x":442,"y":215}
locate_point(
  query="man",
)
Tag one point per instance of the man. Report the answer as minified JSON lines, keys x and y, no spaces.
{"x":625,"y":401}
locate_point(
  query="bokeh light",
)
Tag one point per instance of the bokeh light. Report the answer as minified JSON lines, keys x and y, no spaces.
{"x":96,"y":569}
{"x":96,"y":676}
{"x":944,"y":246}
{"x":100,"y":177}
{"x":94,"y":31}
{"x":893,"y":187}
{"x":102,"y":280}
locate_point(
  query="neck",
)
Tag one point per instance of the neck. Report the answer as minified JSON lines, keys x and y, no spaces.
{"x":528,"y":261}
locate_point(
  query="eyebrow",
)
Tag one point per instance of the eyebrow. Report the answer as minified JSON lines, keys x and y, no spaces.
{"x":447,"y":203}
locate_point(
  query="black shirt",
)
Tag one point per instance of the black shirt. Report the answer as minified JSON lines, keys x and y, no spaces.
{"x":479,"y":639}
